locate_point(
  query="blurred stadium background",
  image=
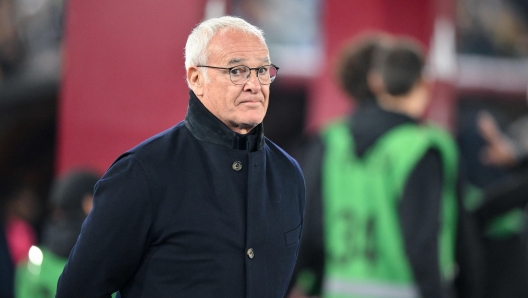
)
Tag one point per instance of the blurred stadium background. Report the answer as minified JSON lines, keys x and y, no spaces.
{"x":83,"y":81}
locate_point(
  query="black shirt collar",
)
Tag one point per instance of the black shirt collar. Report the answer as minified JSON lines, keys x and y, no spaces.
{"x":206,"y":127}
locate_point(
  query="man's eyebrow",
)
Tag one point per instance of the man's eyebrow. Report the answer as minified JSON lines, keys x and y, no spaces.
{"x":237,"y":61}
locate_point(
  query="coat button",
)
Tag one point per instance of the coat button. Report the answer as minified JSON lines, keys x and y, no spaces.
{"x":237,"y":166}
{"x":250,"y":253}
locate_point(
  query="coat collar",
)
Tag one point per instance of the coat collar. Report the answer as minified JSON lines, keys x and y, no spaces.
{"x":370,"y":122}
{"x":206,"y":127}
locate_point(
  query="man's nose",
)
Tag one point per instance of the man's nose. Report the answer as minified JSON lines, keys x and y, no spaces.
{"x":251,"y":78}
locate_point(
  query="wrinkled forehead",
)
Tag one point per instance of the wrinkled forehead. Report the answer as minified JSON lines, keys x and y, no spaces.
{"x":237,"y":47}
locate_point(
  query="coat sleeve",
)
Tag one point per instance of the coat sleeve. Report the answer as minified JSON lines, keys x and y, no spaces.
{"x":501,"y":197}
{"x":114,"y":236}
{"x":419,"y":216}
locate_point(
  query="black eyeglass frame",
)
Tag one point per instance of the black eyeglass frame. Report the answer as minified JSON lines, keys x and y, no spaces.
{"x":250,"y":69}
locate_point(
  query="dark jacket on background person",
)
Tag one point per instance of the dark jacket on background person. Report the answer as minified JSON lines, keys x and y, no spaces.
{"x":417,"y":215}
{"x":6,"y":265}
{"x":38,"y":278}
{"x":195,"y":211}
{"x":502,"y":220}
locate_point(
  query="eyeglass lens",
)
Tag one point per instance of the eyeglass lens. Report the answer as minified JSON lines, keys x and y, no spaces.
{"x":240,"y":74}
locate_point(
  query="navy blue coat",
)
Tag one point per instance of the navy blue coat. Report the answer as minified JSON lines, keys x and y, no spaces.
{"x":195,"y":211}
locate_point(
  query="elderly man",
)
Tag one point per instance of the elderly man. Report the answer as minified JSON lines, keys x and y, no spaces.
{"x":208,"y":208}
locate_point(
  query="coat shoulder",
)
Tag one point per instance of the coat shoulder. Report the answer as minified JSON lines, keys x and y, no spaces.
{"x":159,"y":145}
{"x":282,"y":157}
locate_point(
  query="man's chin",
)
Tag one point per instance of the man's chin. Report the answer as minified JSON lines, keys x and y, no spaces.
{"x":246,"y":125}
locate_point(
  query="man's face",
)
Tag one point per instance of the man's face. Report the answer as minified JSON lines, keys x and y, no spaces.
{"x":240,"y":107}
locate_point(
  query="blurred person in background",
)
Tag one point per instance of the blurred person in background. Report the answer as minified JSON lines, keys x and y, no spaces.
{"x":207,"y":208}
{"x":382,"y":206}
{"x":499,"y":205}
{"x":18,"y":212}
{"x":10,"y":45}
{"x":6,"y":263}
{"x":30,"y":39}
{"x":508,"y":150}
{"x":71,"y":199}
{"x":22,"y":209}
{"x":351,"y":70}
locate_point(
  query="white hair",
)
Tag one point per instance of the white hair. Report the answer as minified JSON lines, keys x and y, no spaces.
{"x":200,"y":37}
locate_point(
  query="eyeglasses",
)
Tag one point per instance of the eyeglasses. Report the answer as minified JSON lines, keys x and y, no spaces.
{"x":239,"y":75}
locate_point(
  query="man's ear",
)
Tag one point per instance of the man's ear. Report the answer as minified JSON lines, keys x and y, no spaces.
{"x":195,"y":78}
{"x":375,"y":83}
{"x":426,"y":83}
{"x":87,"y":203}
